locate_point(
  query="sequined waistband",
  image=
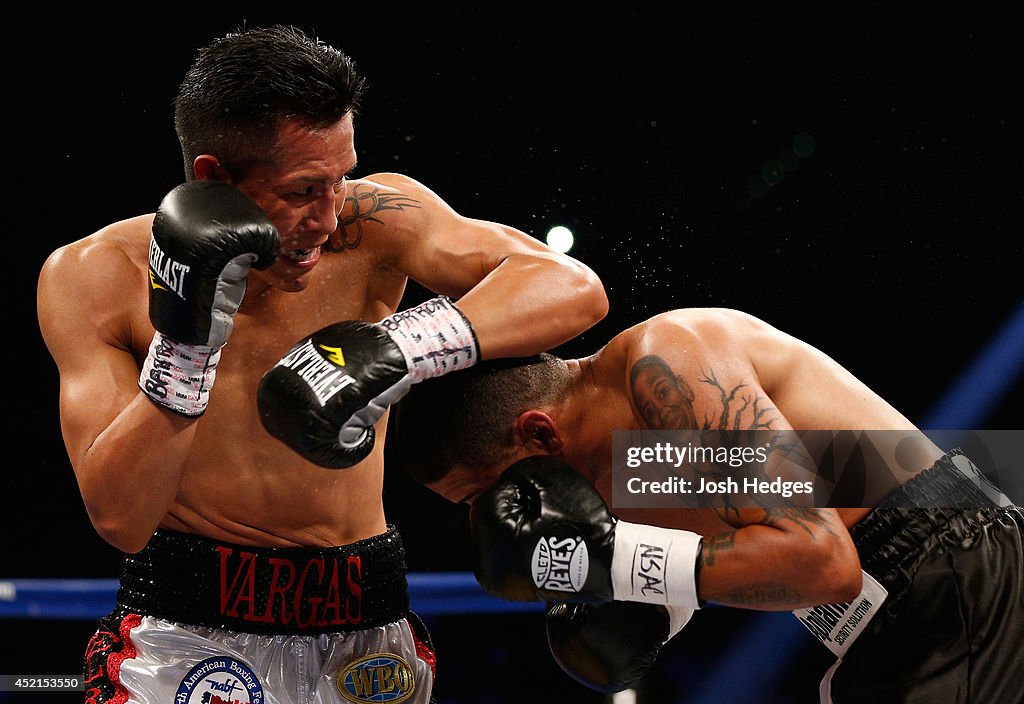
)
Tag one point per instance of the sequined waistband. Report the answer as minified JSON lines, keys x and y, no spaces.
{"x":195,"y":580}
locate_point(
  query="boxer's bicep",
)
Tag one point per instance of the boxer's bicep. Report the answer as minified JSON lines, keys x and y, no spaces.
{"x":521,"y":296}
{"x":441,"y":249}
{"x":95,"y":386}
{"x":86,"y":333}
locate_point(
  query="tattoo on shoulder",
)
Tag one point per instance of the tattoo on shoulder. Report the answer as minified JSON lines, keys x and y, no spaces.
{"x":665,"y":400}
{"x":733,"y":408}
{"x":363,"y":204}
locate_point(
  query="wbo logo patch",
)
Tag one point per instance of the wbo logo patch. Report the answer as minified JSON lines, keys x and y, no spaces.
{"x":220,"y":680}
{"x":377,"y":678}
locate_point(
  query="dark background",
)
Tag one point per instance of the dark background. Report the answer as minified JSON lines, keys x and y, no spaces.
{"x":664,"y":138}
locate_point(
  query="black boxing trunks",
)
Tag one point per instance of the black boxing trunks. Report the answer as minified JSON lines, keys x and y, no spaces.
{"x":950,"y":629}
{"x":201,"y":621}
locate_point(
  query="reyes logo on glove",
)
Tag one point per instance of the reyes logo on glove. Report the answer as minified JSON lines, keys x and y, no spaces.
{"x":560,"y":561}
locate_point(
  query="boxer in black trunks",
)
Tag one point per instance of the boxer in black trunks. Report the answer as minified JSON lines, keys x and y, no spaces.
{"x":918,"y":590}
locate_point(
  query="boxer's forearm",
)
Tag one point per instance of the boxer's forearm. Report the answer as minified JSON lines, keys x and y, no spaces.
{"x":130,"y":475}
{"x":531,"y":304}
{"x":771,"y":568}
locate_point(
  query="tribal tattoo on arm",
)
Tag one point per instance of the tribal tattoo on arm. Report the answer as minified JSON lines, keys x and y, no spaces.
{"x":364,"y":203}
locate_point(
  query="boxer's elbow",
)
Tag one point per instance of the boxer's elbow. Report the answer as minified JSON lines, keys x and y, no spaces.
{"x":597,"y":297}
{"x":122,"y":532}
{"x":590,"y":300}
{"x":123,"y":539}
{"x":850,"y":586}
{"x":836,"y":569}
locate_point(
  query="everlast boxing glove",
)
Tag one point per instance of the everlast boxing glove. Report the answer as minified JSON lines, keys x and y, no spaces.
{"x":543,"y":532}
{"x":207,"y":235}
{"x":323,"y":398}
{"x":608,"y":647}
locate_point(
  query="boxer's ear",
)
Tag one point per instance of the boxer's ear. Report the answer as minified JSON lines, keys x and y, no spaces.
{"x":538,"y":431}
{"x":207,"y":167}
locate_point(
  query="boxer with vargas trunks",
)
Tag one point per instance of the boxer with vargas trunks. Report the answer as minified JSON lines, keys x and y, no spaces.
{"x":226,"y":368}
{"x":918,"y":591}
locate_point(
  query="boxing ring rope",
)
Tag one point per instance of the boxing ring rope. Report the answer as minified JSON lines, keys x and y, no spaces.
{"x":430,"y":594}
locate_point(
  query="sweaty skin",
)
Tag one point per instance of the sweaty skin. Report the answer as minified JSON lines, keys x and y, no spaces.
{"x":720,"y":369}
{"x":140,"y":466}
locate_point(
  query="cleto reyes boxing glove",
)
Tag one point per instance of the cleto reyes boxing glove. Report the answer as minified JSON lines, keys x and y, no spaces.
{"x":206,"y":237}
{"x":543,"y":532}
{"x":324,"y":396}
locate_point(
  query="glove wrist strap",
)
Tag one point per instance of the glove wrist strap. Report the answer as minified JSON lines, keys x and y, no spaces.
{"x":435,"y":338}
{"x":655,"y":565}
{"x":179,"y":376}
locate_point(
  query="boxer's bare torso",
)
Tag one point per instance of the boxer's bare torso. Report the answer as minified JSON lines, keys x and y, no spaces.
{"x":239,"y":483}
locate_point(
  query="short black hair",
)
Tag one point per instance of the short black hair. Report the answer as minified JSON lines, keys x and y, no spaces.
{"x":242,"y":86}
{"x":468,"y":417}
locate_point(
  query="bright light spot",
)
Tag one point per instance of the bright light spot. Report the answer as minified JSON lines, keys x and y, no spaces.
{"x":626,"y":696}
{"x":560,"y":238}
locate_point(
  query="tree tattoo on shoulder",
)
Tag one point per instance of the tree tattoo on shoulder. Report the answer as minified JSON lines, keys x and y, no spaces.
{"x":363,"y":204}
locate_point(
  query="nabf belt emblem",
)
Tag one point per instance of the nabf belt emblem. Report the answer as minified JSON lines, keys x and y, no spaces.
{"x":381,"y":677}
{"x":220,"y":680}
{"x":560,"y":562}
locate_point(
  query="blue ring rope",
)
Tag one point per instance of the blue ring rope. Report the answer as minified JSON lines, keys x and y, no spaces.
{"x":430,"y":594}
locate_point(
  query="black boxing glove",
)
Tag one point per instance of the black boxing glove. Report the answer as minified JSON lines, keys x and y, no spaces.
{"x":323,"y":398}
{"x":207,"y":235}
{"x":543,"y":532}
{"x":608,"y":647}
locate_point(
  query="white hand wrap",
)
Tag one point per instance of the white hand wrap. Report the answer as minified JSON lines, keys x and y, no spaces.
{"x":434,"y":337}
{"x":655,"y":565}
{"x":179,"y":376}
